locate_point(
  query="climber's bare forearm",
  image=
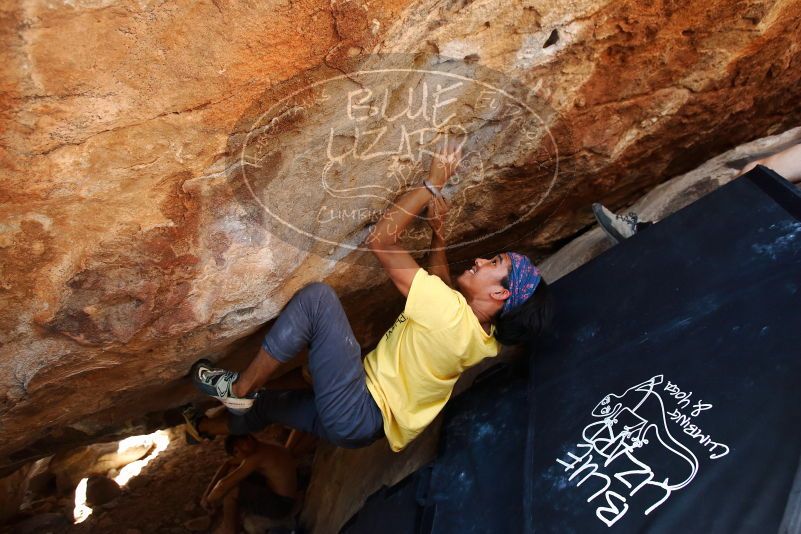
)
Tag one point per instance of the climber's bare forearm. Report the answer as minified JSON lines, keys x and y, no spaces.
{"x":787,"y":163}
{"x":221,"y":472}
{"x":397,"y":218}
{"x":232,"y":479}
{"x":437,"y":261}
{"x":383,"y":240}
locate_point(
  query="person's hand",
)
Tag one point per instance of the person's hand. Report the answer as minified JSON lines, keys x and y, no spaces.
{"x":444,"y":163}
{"x":436,"y":215}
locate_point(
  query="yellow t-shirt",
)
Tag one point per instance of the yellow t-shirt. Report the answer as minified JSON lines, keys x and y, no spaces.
{"x":412,"y":371}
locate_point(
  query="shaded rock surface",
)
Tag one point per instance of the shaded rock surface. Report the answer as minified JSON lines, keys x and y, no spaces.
{"x":50,"y":523}
{"x":12,"y":491}
{"x":101,"y":490}
{"x":129,"y":249}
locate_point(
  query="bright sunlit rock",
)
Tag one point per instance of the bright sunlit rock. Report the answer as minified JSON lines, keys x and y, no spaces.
{"x":81,"y":511}
{"x":159,"y":440}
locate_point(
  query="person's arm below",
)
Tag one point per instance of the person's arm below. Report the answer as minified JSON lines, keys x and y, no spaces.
{"x":220,"y":473}
{"x":437,"y":261}
{"x":233,"y":479}
{"x":787,"y":163}
{"x":383,"y":239}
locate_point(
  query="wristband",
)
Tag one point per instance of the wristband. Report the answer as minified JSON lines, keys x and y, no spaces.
{"x":432,"y":189}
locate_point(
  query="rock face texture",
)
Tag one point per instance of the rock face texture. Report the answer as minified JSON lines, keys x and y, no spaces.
{"x":173,"y":172}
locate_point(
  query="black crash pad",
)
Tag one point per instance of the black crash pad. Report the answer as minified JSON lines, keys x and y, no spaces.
{"x":670,"y":398}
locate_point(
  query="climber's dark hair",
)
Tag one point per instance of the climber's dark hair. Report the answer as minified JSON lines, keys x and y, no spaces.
{"x":528,"y":321}
{"x":231,"y":441}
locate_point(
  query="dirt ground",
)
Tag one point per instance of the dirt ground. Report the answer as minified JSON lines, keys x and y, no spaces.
{"x":163,"y":498}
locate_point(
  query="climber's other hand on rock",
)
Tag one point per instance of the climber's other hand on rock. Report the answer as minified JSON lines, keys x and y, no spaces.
{"x":436,"y":215}
{"x":444,"y":163}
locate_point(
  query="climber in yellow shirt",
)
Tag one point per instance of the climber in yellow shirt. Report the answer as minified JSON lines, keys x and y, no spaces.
{"x":401,"y":385}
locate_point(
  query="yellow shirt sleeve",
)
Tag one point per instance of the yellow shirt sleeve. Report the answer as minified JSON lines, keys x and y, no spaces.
{"x":431,"y":302}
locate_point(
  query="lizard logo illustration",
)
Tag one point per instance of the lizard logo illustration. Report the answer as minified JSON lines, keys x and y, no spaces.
{"x":633,"y":420}
{"x":629,"y":447}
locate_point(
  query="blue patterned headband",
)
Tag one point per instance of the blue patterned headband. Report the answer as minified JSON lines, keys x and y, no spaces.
{"x":524,"y":277}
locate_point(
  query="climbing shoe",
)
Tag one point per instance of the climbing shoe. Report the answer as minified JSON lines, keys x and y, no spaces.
{"x":192,"y":433}
{"x":218,"y":383}
{"x":617,"y":227}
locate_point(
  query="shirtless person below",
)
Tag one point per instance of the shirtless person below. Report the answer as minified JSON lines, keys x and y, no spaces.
{"x":260,"y":478}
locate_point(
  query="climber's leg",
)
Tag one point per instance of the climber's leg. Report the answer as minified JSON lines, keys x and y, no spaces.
{"x":257,"y":373}
{"x":346,"y":408}
{"x":291,"y":408}
{"x":303,"y":320}
{"x":313,"y":317}
{"x":298,"y":409}
{"x":341,"y":408}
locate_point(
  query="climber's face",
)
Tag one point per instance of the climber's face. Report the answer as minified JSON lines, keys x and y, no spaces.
{"x":483,"y":279}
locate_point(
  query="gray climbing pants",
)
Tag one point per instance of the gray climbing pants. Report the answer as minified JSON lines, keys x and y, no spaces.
{"x":340,"y":409}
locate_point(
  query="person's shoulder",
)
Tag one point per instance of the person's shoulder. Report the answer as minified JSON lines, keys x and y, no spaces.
{"x":431,"y":281}
{"x":270,"y":451}
{"x":432,"y":302}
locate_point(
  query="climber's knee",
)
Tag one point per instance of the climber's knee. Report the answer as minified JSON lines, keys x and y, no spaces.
{"x":318,"y":291}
